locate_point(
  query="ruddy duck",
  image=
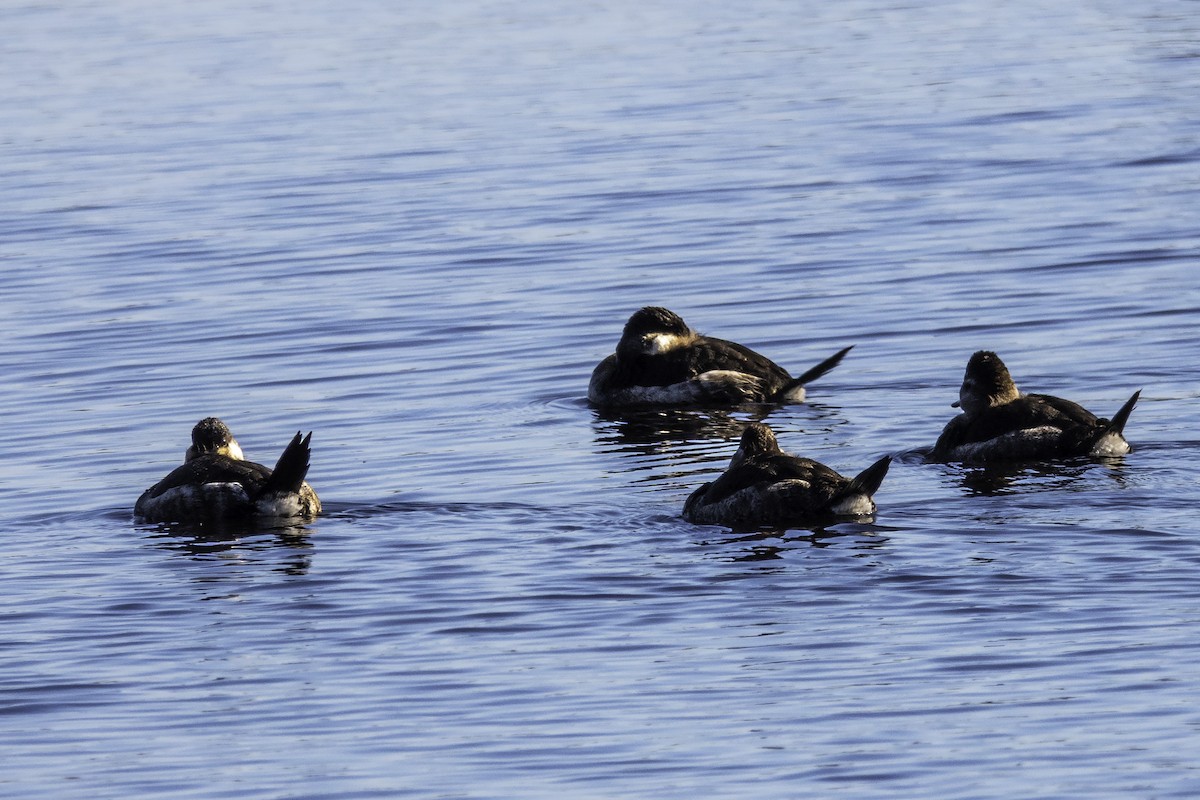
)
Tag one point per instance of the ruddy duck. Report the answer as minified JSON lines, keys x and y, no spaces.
{"x":661,"y":361}
{"x":211,"y":435}
{"x":215,"y":481}
{"x":999,"y":423}
{"x":766,"y":487}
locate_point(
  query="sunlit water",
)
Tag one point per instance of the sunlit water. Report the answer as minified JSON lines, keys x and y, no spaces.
{"x":415,"y":230}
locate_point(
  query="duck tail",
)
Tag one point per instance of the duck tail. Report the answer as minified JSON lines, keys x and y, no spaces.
{"x":815,"y":372}
{"x":1117,"y":423}
{"x":292,"y":466}
{"x":867,"y":482}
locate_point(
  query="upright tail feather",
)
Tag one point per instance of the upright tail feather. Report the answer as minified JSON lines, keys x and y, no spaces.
{"x":1117,"y":424}
{"x":820,"y":369}
{"x":291,"y":468}
{"x":867,"y":482}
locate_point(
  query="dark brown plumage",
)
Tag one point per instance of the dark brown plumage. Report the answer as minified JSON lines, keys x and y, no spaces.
{"x":766,"y":487}
{"x":660,"y":360}
{"x":212,"y":484}
{"x":999,"y":423}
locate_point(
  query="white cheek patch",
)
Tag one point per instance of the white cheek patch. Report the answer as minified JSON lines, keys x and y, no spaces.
{"x":233,"y":450}
{"x":662,"y":342}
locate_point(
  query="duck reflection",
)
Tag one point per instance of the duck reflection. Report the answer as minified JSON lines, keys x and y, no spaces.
{"x":669,"y":446}
{"x":680,"y":448}
{"x":1012,"y":477}
{"x":655,"y":431}
{"x":652,"y":431}
{"x":773,"y":545}
{"x":239,"y":541}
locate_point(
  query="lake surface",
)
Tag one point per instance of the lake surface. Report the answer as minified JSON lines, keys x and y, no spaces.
{"x":415,"y":228}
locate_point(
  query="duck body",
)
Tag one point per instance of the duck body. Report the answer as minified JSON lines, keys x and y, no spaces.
{"x":213,"y":484}
{"x":766,"y":487}
{"x":999,"y":423}
{"x":661,"y":361}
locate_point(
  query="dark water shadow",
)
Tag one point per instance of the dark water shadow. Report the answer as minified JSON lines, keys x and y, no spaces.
{"x":653,"y":431}
{"x":1013,"y":477}
{"x":772,"y":544}
{"x":290,"y":544}
{"x":650,"y":431}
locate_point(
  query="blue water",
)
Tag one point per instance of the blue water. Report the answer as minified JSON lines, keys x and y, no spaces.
{"x":415,"y":230}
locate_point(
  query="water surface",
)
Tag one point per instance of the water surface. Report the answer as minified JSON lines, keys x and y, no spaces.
{"x":415,"y":231}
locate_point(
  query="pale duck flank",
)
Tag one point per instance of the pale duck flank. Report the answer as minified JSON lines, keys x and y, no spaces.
{"x":1110,"y":444}
{"x":857,"y":505}
{"x":285,"y":505}
{"x":796,"y":394}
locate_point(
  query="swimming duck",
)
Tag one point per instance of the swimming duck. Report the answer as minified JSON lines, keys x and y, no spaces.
{"x":999,"y":423}
{"x":661,"y":361}
{"x":766,"y":487}
{"x":215,"y":481}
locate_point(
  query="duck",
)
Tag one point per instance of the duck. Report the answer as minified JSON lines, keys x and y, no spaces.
{"x":217,"y":482}
{"x":764,"y":487}
{"x":999,"y":423}
{"x":661,"y":361}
